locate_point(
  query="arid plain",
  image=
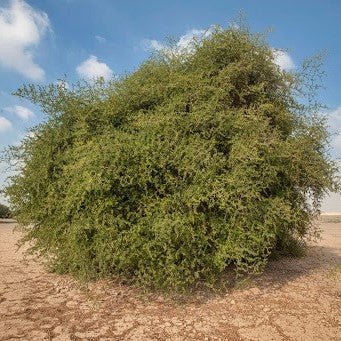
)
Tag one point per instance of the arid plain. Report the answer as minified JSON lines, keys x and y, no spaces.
{"x":295,"y":299}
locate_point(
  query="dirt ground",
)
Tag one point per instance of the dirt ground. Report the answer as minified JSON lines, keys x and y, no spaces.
{"x":296,"y":299}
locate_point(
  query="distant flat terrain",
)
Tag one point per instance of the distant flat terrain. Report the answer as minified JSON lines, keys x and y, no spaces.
{"x":295,"y":299}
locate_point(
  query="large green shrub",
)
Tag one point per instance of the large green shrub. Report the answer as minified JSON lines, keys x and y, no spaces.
{"x":198,"y":160}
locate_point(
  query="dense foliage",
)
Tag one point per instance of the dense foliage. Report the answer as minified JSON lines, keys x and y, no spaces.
{"x":4,"y":211}
{"x":200,"y":159}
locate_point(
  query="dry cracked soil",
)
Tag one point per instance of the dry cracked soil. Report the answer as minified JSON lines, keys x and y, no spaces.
{"x":295,"y":299}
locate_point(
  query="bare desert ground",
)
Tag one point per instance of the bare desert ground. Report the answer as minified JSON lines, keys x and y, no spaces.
{"x":295,"y":299}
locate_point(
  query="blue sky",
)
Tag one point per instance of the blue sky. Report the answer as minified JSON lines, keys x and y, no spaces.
{"x":43,"y":40}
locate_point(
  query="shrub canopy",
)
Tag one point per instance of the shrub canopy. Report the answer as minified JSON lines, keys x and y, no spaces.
{"x":199,"y":159}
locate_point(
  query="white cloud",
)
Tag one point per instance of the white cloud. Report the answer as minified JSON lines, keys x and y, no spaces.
{"x":334,"y":118}
{"x":100,"y":39}
{"x":62,"y":83}
{"x":92,"y":68}
{"x":20,"y":111}
{"x":337,"y":142}
{"x":192,"y":35}
{"x":21,"y":28}
{"x":283,"y":60}
{"x":184,"y":44}
{"x":334,"y":122}
{"x":153,"y":44}
{"x":21,"y":137}
{"x":5,"y":124}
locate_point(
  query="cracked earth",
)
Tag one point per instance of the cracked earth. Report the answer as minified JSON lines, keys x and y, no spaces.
{"x":295,"y":299}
